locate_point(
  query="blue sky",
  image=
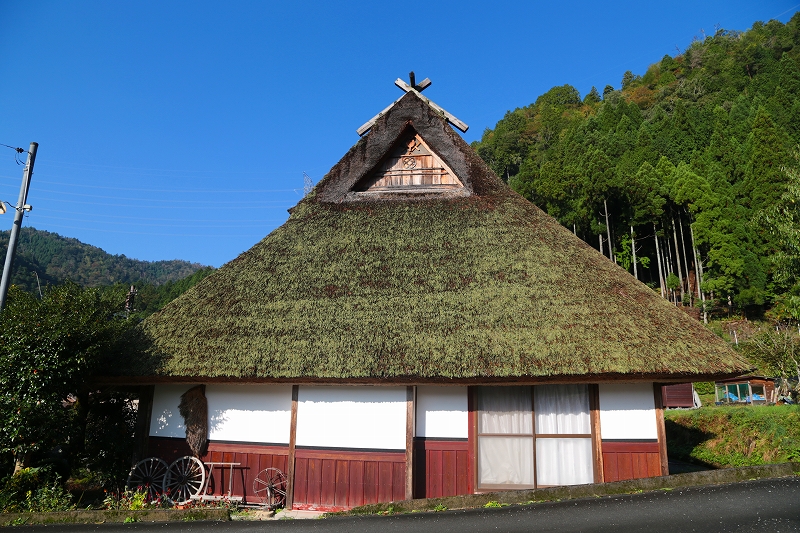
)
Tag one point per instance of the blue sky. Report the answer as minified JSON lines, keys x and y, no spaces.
{"x":181,"y":130}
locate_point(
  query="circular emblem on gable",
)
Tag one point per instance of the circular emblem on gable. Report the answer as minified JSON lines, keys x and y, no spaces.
{"x":409,"y":163}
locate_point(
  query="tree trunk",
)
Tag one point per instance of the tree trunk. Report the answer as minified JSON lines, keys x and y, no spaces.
{"x":608,"y":231}
{"x":699,"y":266}
{"x":685,"y":260}
{"x":20,"y":462}
{"x":601,"y":244}
{"x":658,"y":259}
{"x":677,"y":257}
{"x":670,"y":266}
{"x":633,"y":254}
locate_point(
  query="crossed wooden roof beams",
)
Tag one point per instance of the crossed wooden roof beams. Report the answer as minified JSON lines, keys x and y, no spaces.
{"x":416,"y":89}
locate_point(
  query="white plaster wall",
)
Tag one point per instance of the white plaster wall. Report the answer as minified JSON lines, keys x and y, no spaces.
{"x":249,"y":413}
{"x":442,"y":412}
{"x":352,"y":417}
{"x":627,"y":411}
{"x":166,"y":420}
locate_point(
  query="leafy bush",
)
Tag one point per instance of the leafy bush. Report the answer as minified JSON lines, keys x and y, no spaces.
{"x":133,"y":500}
{"x":704,"y":387}
{"x":50,"y":346}
{"x":125,"y":501}
{"x":49,"y":497}
{"x":34,"y":490}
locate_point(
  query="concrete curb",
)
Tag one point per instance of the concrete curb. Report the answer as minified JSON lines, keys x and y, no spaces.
{"x":100,"y":517}
{"x":691,"y":479}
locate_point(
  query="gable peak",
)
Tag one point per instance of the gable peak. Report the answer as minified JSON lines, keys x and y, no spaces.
{"x":416,"y":89}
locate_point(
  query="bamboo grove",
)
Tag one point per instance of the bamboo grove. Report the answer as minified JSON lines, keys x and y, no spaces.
{"x":685,"y":176}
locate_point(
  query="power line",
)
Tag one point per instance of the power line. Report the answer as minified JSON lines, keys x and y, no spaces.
{"x":788,"y":10}
{"x":183,"y":190}
{"x":17,"y":151}
{"x":171,"y":224}
{"x":160,"y":233}
{"x":141,"y":204}
{"x":15,"y":148}
{"x":88,"y":165}
{"x":138,"y":204}
{"x":209,"y":202}
{"x":260,"y":220}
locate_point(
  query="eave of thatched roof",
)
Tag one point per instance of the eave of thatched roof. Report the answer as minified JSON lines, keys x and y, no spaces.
{"x":480,"y":287}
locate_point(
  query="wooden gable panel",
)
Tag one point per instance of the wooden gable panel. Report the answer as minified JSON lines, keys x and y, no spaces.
{"x":410,"y":166}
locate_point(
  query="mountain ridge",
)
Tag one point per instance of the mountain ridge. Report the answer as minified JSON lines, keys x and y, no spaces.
{"x":55,"y":258}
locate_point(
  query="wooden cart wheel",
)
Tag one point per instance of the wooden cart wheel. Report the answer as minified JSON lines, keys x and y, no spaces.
{"x":148,"y":474}
{"x":186,"y":477}
{"x":269,"y":487}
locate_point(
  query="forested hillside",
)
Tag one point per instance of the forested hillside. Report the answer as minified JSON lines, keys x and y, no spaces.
{"x":686,"y":175}
{"x":55,"y":259}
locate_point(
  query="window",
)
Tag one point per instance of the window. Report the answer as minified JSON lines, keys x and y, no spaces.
{"x":534,"y":436}
{"x":733,"y":393}
{"x":758,"y":394}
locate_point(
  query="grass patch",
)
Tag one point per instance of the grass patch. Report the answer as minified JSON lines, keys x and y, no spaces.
{"x":493,"y":505}
{"x":729,"y":436}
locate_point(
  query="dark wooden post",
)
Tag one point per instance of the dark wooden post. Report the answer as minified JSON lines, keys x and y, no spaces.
{"x":472,"y":409}
{"x":292,"y":442}
{"x":597,"y":443}
{"x":662,"y":432}
{"x":144,"y":412}
{"x":410,"y":408}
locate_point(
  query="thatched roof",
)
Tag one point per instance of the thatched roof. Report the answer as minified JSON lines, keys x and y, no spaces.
{"x":480,"y":286}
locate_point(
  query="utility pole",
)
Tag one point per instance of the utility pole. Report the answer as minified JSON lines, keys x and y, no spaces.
{"x":20,"y":208}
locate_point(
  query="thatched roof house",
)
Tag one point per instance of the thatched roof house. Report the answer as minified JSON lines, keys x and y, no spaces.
{"x":412,"y":266}
{"x":470,"y":284}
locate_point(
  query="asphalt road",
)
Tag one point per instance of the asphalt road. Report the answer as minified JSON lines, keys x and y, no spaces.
{"x":764,"y":506}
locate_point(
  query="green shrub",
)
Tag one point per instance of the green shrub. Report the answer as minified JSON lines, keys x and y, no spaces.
{"x":704,"y":387}
{"x":130,"y":500}
{"x":50,"y":497}
{"x":34,"y":490}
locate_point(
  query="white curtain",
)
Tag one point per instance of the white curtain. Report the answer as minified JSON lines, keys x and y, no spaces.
{"x":562,"y":409}
{"x":505,"y":460}
{"x":505,"y":410}
{"x":564,"y":461}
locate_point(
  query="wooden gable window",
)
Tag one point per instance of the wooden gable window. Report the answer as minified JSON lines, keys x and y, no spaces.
{"x":534,"y":436}
{"x":409,"y":167}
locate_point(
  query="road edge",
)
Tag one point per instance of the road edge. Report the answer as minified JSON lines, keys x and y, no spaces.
{"x":595,"y":490}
